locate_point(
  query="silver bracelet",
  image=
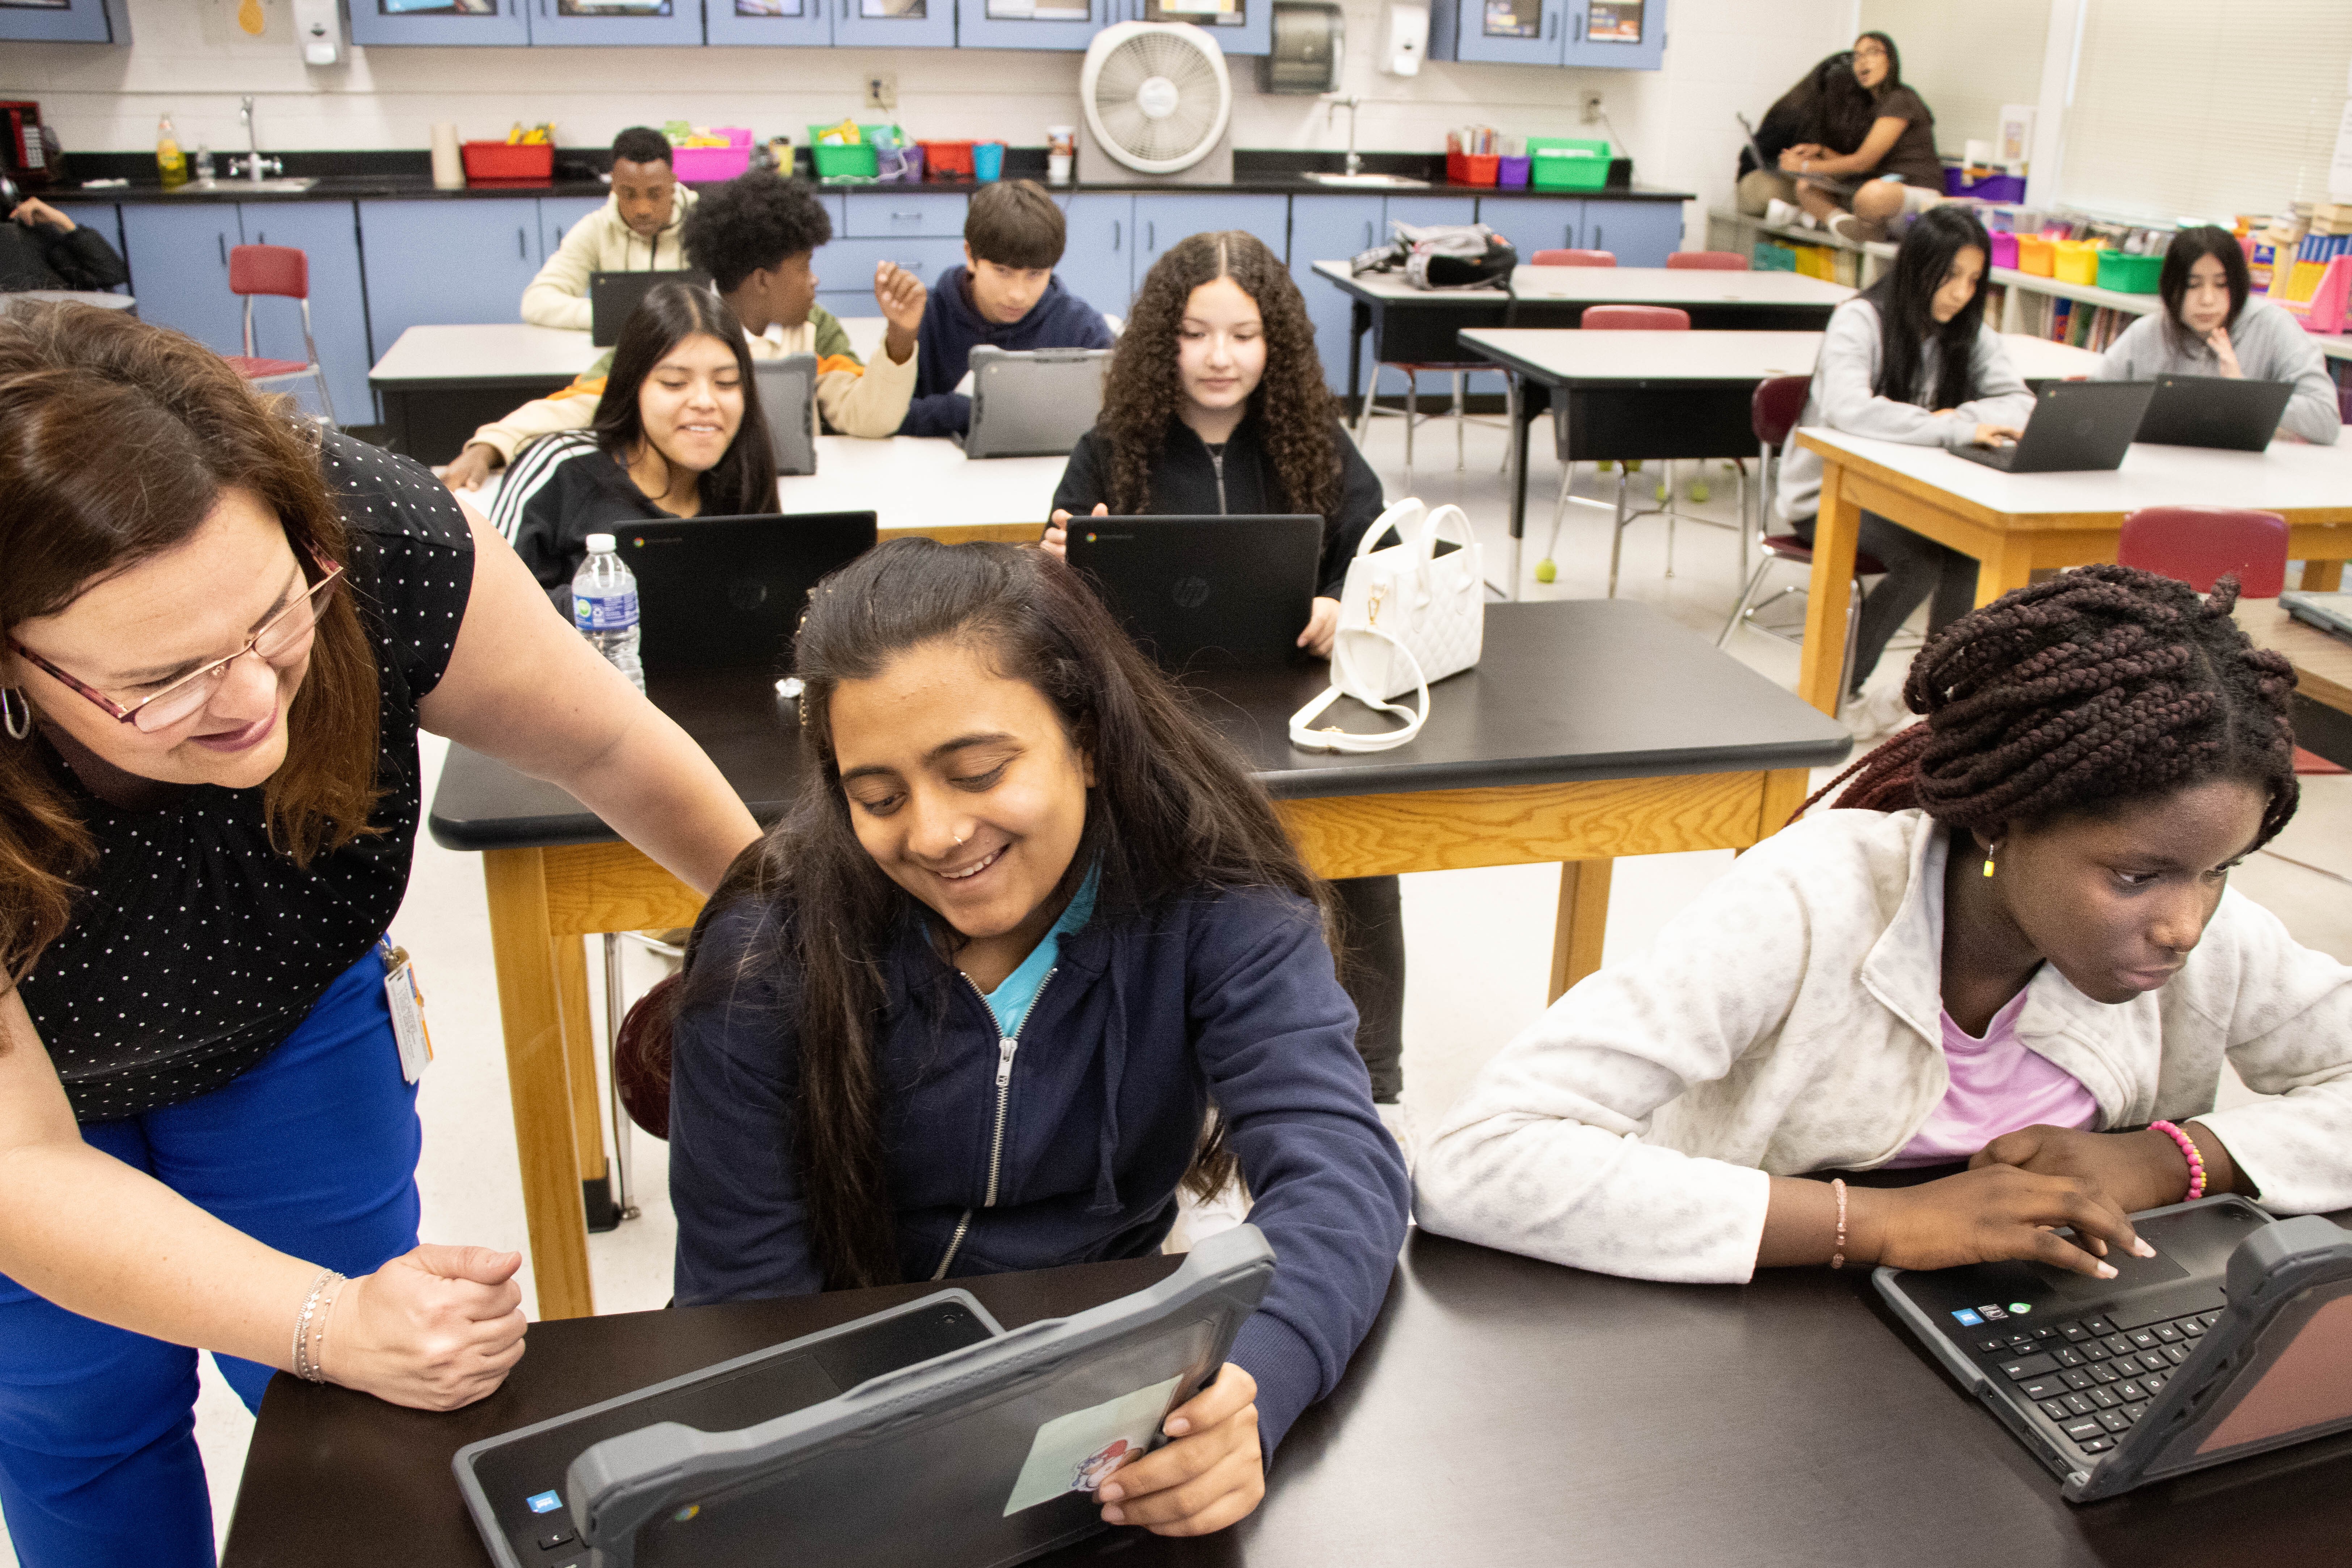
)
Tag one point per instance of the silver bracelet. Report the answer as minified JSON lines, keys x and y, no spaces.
{"x":304,"y":1368}
{"x":326,"y":1317}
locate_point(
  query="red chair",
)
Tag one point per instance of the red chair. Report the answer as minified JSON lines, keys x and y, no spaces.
{"x":1635,"y":318}
{"x":1706,"y":261}
{"x":1774,"y":412}
{"x":1573,"y":258}
{"x":283,"y":271}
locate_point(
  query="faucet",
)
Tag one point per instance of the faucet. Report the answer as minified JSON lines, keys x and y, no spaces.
{"x":256,"y":165}
{"x":1349,"y":103}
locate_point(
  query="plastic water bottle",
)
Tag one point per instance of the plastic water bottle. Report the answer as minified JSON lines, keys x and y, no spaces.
{"x":604,"y":606}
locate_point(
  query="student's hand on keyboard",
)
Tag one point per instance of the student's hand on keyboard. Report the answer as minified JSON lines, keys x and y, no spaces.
{"x":1322,"y":628}
{"x":900,"y":294}
{"x":2141,"y":1170}
{"x":437,"y":1327}
{"x":1996,"y":435}
{"x":471,"y":467}
{"x":1212,"y":1473}
{"x":1991,"y":1213}
{"x":1057,"y":532}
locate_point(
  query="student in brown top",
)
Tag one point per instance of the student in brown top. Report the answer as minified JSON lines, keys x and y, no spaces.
{"x":1894,"y":172}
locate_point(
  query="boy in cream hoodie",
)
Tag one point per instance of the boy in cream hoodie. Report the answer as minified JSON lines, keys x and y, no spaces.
{"x":638,"y":231}
{"x":755,"y":236}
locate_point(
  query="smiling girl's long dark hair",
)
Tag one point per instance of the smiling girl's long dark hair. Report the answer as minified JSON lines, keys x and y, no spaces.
{"x":741,"y":483}
{"x":1174,"y":809}
{"x":1905,"y":298}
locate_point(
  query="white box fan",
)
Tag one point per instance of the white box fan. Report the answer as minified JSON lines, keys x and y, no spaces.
{"x":1156,"y":102}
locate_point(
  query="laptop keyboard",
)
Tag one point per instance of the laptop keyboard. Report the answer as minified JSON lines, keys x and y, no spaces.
{"x":2091,"y":1377}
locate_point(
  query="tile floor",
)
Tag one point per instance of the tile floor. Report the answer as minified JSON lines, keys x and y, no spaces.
{"x":1479,"y":940}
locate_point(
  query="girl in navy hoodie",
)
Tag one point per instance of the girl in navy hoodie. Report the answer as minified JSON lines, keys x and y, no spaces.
{"x":1029,"y":954}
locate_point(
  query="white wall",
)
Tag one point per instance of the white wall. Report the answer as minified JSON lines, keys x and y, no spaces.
{"x":192,"y":60}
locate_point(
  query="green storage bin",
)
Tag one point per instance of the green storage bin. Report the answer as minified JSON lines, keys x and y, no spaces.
{"x":848,"y":163}
{"x":1773,"y":258}
{"x":2128,"y":274}
{"x":1567,"y":163}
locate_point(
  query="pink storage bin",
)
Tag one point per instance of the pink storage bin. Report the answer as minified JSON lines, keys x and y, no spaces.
{"x":2004,"y":251}
{"x":700,"y":164}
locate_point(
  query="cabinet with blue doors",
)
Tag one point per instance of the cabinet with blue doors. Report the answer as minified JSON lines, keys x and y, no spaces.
{"x":894,"y":24}
{"x":1331,"y":229}
{"x":1161,"y":221}
{"x":1240,"y":26}
{"x":1607,"y":34}
{"x":178,"y":257}
{"x":556,"y":216}
{"x":67,"y":22}
{"x":1033,"y":24}
{"x":1098,"y":250}
{"x":601,"y":22}
{"x":1639,"y":234}
{"x":441,"y":22}
{"x":328,"y":234}
{"x":774,"y":24}
{"x":447,"y":262}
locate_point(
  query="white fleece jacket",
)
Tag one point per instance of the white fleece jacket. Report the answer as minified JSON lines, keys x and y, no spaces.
{"x":1790,"y":1021}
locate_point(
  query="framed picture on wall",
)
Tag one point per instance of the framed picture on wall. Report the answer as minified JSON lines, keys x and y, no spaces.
{"x":1613,"y":22}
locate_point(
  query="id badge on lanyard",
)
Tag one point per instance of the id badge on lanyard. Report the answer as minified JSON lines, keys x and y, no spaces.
{"x":407,"y":1001}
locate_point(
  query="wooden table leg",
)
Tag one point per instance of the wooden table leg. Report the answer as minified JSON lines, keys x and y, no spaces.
{"x":2322,"y":576}
{"x":1830,"y":593}
{"x":2011,"y":569}
{"x":580,"y":1070}
{"x":1577,"y":935}
{"x":531,"y":1014}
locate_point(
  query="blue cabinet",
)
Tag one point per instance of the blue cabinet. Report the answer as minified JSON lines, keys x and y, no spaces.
{"x":906,"y":213}
{"x":1609,"y":35}
{"x":1331,"y":229}
{"x":1616,"y":35}
{"x":1162,"y":221}
{"x":774,"y":24}
{"x":179,"y":268}
{"x":328,"y":232}
{"x":67,"y":22}
{"x":601,"y":22}
{"x":1032,"y":24}
{"x":894,"y":24}
{"x":556,"y":216}
{"x":1099,"y":250}
{"x":447,"y":262}
{"x":1240,"y":26}
{"x":1535,"y":223}
{"x":440,"y":22}
{"x":1642,"y":234}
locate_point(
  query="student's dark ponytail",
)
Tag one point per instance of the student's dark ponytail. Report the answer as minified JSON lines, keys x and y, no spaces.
{"x":1905,"y":300}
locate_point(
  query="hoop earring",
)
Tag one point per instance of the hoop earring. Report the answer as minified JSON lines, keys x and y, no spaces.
{"x":17,"y":717}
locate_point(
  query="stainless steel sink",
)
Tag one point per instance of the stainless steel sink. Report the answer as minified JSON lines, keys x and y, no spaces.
{"x":1369,"y":181}
{"x":232,"y":187}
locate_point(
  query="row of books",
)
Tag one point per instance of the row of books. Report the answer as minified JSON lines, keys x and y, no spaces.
{"x":2085,"y":325}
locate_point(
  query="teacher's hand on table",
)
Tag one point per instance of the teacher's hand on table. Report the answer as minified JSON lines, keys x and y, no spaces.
{"x":1322,"y":628}
{"x":1057,"y":532}
{"x":900,"y":294}
{"x":1991,"y":1213}
{"x":471,"y":467}
{"x":435,"y":1329}
{"x":1211,"y":1474}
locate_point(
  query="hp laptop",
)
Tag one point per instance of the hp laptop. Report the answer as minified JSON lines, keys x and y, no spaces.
{"x":922,"y":1434}
{"x":2077,"y":425}
{"x":788,"y":403}
{"x":1032,"y":403}
{"x":2214,"y":411}
{"x":1205,"y":592}
{"x":726,"y":592}
{"x":2235,"y":1339}
{"x":612,"y":295}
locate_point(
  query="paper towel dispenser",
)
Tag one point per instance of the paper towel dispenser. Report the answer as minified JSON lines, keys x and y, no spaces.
{"x":1310,"y":38}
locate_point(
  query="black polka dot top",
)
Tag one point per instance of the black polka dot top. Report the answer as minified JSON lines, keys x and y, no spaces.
{"x":196,"y":947}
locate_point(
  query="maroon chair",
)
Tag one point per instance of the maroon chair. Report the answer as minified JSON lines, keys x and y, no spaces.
{"x":1706,"y":261}
{"x":1774,"y":412}
{"x":1573,"y":258}
{"x":283,"y":271}
{"x":2201,"y":544}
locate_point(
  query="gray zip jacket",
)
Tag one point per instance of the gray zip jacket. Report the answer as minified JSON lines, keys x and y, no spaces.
{"x":1841,"y":399}
{"x":1791,"y":1020}
{"x":2271,"y":345}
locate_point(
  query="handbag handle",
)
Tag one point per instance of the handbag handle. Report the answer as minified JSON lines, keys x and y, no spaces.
{"x":1400,"y":517}
{"x":1334,"y":738}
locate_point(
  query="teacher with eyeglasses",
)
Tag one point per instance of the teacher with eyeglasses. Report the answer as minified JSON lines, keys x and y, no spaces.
{"x":220,"y":632}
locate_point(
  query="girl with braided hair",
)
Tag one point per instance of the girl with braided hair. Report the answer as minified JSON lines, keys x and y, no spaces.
{"x":2011,"y":953}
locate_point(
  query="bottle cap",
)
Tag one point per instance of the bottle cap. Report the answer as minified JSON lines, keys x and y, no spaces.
{"x":600,"y":541}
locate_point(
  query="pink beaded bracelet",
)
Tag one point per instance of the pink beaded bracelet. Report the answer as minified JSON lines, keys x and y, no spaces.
{"x":2188,"y":1153}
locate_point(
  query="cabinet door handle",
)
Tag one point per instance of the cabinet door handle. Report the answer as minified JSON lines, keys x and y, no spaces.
{"x":1551,"y":26}
{"x":1151,"y":235}
{"x":522,"y":244}
{"x":1368,"y":234}
{"x":1115,"y":235}
{"x":1597,"y":237}
{"x":223,"y":238}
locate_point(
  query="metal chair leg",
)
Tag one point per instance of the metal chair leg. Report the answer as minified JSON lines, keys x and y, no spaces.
{"x":1671,"y":515}
{"x":1364,"y":409}
{"x":1853,"y":629}
{"x":1411,"y":418}
{"x":622,"y":1126}
{"x":1558,"y":514}
{"x":1747,"y":598}
{"x":1461,"y":422}
{"x":1617,"y":532}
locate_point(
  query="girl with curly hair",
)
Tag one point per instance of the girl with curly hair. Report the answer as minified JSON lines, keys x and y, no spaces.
{"x":1216,"y":405}
{"x":1998,"y":976}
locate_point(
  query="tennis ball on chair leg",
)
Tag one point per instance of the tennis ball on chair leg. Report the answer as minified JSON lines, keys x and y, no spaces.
{"x":1700,"y":490}
{"x":1545,"y":572}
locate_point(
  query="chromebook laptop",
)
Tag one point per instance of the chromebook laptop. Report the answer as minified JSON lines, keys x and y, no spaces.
{"x":2237,"y":415}
{"x":1034,"y":403}
{"x":1205,"y":592}
{"x":612,"y":295}
{"x":926,"y":1434}
{"x":2077,"y":425}
{"x":726,"y":592}
{"x":2328,"y":612}
{"x":2235,"y":1339}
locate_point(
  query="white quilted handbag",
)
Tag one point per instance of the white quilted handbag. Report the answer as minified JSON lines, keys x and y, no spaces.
{"x":1407,"y":616}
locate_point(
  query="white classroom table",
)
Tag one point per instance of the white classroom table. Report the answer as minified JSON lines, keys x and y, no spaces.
{"x":1685,"y":287}
{"x":2015,"y":524}
{"x":501,"y":351}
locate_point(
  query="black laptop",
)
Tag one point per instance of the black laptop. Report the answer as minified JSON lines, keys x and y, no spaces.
{"x":2235,"y":1339}
{"x":726,"y":592}
{"x":1230,"y":593}
{"x":612,"y":295}
{"x":2077,"y":426}
{"x":2236,"y":414}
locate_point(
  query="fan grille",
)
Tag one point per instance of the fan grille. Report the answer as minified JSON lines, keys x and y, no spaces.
{"x":1120,"y":85}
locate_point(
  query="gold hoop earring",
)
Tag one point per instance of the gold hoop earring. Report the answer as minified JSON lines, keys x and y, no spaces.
{"x":15,"y":713}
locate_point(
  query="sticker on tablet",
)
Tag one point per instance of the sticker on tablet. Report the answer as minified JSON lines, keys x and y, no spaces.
{"x":1077,"y":1452}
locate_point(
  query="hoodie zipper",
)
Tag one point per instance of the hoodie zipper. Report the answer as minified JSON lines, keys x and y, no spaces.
{"x":1006,"y":1045}
{"x":1217,"y":461}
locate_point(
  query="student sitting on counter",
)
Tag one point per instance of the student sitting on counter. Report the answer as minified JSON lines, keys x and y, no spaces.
{"x":640,"y":229}
{"x":1005,"y":296}
{"x":755,"y":236}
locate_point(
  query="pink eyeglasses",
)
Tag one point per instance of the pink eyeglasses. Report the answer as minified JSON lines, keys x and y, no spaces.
{"x":280,"y":640}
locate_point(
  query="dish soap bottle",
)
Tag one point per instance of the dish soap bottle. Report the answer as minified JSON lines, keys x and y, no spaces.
{"x":168,"y":158}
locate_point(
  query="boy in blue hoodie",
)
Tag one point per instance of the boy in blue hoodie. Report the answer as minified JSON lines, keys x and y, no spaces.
{"x":1005,"y":296}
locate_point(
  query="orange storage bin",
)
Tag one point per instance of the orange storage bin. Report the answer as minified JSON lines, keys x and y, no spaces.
{"x":946,"y":160}
{"x":2077,"y":261}
{"x":2036,"y":256}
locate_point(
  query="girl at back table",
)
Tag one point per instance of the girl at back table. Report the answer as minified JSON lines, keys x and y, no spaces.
{"x":2210,"y":327}
{"x":1216,"y":404}
{"x":1909,"y":359}
{"x":2013,"y":946}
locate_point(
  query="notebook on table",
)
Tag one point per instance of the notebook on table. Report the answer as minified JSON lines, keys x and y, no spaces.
{"x":1034,"y":403}
{"x":2076,"y":426}
{"x":2235,"y":1340}
{"x":612,"y":296}
{"x":1204,"y":592}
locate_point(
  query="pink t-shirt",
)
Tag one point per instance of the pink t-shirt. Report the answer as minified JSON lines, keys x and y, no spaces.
{"x":1998,"y":1086}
